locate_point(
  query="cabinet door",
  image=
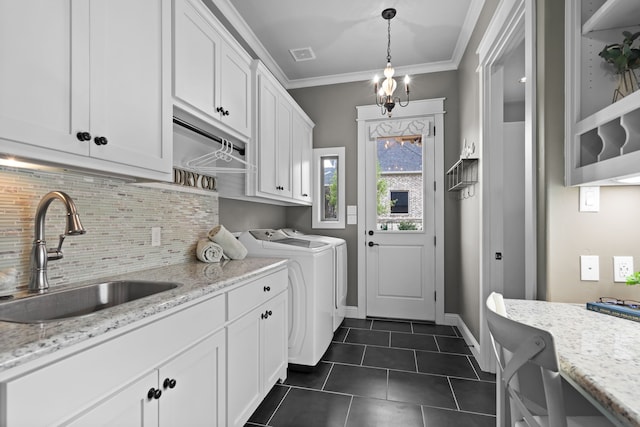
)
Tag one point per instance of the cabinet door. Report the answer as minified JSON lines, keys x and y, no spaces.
{"x":235,"y":90}
{"x":129,"y":407}
{"x":283,"y":124}
{"x":274,"y":342}
{"x":198,"y":395}
{"x":302,"y":152}
{"x":267,"y":138}
{"x":195,"y":59}
{"x":129,"y":82}
{"x":243,"y":367}
{"x":44,"y":73}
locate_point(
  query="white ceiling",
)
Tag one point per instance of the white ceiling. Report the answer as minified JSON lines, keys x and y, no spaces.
{"x":349,"y":37}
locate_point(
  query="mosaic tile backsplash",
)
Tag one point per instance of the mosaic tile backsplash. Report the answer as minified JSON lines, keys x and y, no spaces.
{"x":117,"y":215}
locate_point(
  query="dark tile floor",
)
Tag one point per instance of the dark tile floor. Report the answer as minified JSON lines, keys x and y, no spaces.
{"x":385,"y":373}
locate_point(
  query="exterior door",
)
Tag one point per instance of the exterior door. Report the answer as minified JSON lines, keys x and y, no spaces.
{"x":400,"y":225}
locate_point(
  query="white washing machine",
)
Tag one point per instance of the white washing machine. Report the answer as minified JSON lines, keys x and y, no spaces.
{"x":339,"y":271}
{"x":310,"y":289}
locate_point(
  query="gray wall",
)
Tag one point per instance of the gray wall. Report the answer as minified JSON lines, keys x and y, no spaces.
{"x":469,"y":262}
{"x":564,"y":232}
{"x":238,"y":215}
{"x":332,"y":109}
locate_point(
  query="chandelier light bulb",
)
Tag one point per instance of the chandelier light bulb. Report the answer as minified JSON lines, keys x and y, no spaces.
{"x":389,"y":86}
{"x":389,"y":71}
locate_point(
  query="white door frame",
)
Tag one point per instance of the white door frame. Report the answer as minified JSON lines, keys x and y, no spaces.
{"x":366,"y":116}
{"x":513,"y":21}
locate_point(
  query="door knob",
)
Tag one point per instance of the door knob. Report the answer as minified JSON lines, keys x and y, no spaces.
{"x":372,"y":244}
{"x":370,"y":232}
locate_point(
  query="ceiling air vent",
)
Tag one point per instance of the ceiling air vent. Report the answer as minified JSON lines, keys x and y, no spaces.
{"x":302,"y":54}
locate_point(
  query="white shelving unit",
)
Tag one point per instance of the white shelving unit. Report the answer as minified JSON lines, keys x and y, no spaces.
{"x":602,"y":141}
{"x":462,"y":174}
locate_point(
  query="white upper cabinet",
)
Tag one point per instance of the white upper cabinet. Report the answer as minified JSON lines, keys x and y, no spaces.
{"x":212,"y":74}
{"x":302,"y":152}
{"x":602,"y":141}
{"x":283,"y":144}
{"x":87,"y":84}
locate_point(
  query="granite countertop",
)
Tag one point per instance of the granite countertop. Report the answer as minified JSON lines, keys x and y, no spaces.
{"x":598,"y":352}
{"x":22,"y":343}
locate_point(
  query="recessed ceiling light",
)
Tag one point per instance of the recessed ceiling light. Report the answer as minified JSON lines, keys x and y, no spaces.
{"x":302,"y":54}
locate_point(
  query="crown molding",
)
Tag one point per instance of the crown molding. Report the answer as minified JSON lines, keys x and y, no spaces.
{"x":242,"y":28}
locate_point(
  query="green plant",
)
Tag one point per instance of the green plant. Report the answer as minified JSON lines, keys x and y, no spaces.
{"x":633,"y":279}
{"x":407,"y":225}
{"x":623,"y":56}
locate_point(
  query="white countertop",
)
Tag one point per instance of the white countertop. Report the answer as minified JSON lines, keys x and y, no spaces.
{"x":597,"y":352}
{"x":21,"y":343}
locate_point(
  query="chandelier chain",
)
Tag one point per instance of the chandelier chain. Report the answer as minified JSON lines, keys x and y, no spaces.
{"x":388,"y":40}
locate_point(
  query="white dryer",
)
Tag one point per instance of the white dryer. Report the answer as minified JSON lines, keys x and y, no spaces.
{"x":310,"y":289}
{"x":339,"y":269}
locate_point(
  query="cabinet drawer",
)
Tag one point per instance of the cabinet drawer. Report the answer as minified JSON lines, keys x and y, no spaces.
{"x":246,"y":297}
{"x":92,"y":374}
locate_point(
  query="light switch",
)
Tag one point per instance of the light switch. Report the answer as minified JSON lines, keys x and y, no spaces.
{"x":589,"y":268}
{"x":589,"y":199}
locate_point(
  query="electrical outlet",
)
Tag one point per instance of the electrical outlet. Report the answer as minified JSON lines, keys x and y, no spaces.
{"x":622,"y":267}
{"x":156,"y":236}
{"x":589,"y":268}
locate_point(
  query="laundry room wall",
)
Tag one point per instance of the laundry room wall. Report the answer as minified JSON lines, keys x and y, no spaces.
{"x":239,"y":215}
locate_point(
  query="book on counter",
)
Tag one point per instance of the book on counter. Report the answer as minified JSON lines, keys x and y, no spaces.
{"x":615,"y":310}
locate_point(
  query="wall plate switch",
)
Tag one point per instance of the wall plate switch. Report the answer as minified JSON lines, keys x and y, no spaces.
{"x":622,"y":267}
{"x":156,"y":236}
{"x":589,"y":199}
{"x":589,"y":268}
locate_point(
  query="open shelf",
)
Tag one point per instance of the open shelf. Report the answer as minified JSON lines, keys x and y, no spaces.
{"x":462,"y":174}
{"x":602,"y":141}
{"x":613,"y":14}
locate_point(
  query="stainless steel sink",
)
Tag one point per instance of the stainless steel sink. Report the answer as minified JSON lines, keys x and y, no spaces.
{"x":80,"y":301}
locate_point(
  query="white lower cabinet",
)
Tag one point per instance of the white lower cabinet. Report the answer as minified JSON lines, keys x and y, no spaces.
{"x":257,"y":355}
{"x":208,"y":363}
{"x":127,"y":408}
{"x":188,"y":390}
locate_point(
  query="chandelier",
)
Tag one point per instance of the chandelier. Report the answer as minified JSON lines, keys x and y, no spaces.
{"x":384,"y":91}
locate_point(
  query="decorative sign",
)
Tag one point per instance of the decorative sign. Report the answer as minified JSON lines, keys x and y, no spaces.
{"x":193,"y":180}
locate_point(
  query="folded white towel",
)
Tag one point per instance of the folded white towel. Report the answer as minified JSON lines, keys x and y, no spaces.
{"x":230,"y":245}
{"x":208,"y":251}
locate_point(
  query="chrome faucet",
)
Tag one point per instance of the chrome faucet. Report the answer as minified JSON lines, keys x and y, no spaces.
{"x":40,"y":254}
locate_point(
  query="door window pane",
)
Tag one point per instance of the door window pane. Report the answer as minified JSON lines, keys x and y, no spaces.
{"x":399,"y":183}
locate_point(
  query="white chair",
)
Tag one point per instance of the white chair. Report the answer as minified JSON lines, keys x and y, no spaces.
{"x":522,"y":350}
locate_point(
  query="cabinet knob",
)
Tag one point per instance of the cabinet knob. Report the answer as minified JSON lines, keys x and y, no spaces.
{"x":154,"y":393}
{"x":266,"y":314}
{"x":269,"y":312}
{"x":83,"y":136}
{"x":305,"y":195}
{"x":267,"y":288}
{"x":100,"y":140}
{"x":169,"y":383}
{"x":222,"y":111}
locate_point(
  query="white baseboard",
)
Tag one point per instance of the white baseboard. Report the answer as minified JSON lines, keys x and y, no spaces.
{"x":352,"y":312}
{"x":452,"y":319}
